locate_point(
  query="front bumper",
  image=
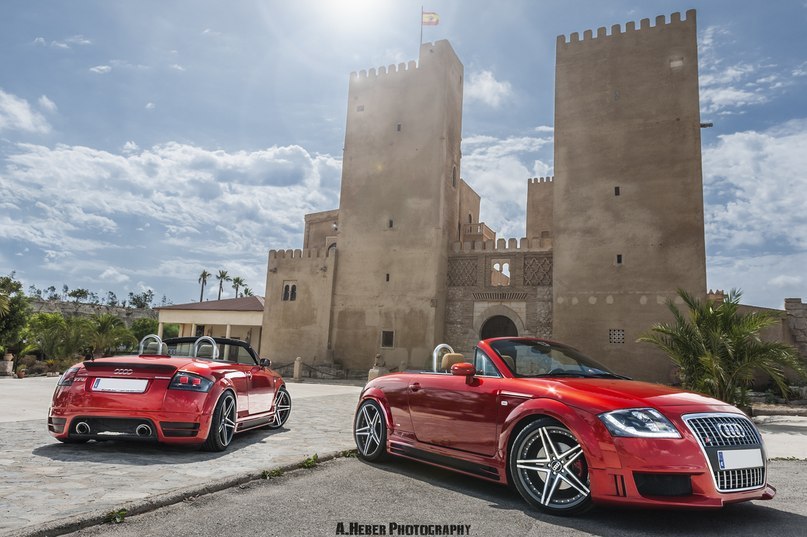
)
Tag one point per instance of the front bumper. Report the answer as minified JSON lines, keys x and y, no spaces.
{"x":673,"y":472}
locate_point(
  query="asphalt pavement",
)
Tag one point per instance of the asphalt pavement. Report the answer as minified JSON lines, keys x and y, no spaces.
{"x":408,"y":496}
{"x":48,"y":488}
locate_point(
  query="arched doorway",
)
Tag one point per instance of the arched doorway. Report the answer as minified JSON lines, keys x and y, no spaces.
{"x":498,"y":326}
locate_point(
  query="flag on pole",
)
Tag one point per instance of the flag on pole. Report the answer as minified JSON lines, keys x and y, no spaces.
{"x":430,"y":18}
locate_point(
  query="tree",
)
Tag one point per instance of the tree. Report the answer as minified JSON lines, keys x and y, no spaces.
{"x":203,"y":277}
{"x":45,"y":331}
{"x":718,"y":349}
{"x":51,"y":293}
{"x":107,"y":333}
{"x":17,"y":310}
{"x":143,"y":327}
{"x":170,"y":330}
{"x":141,"y":300}
{"x":34,"y":292}
{"x":4,"y":302}
{"x":111,"y":299}
{"x":246,"y":292}
{"x":222,"y":277}
{"x":238,"y":283}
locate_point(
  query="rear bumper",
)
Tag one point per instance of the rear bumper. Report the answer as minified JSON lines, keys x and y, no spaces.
{"x":105,"y":424}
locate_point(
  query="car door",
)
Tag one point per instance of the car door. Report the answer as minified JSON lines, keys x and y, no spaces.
{"x":260,"y":382}
{"x":448,"y":411}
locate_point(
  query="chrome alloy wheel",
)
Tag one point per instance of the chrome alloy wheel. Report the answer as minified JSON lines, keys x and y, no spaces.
{"x":370,"y":431}
{"x":282,"y":409}
{"x":226,"y":428}
{"x":550,"y":469}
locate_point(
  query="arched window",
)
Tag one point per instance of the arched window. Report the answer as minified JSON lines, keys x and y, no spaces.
{"x":293,"y":295}
{"x":285,"y":292}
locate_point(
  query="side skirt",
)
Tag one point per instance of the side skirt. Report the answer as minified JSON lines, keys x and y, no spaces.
{"x":466,"y":467}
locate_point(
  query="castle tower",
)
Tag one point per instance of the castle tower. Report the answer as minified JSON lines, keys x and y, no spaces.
{"x":628,"y":200}
{"x":540,"y":200}
{"x":399,"y":209}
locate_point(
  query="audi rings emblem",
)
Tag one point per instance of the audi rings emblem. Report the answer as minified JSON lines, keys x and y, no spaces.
{"x":731,"y":430}
{"x":123,"y":371}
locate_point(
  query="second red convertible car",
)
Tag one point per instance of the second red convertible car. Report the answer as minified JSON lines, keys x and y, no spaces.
{"x":564,"y":430}
{"x":178,"y":391}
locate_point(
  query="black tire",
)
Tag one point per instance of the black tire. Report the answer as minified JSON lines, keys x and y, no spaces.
{"x":549,"y":468}
{"x":222,"y":424}
{"x":370,"y":432}
{"x":282,"y":409}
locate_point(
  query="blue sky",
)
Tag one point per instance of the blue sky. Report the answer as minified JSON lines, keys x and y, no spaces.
{"x":141,"y":142}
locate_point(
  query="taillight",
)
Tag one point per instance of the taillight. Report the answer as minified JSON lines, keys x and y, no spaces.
{"x":191,"y":382}
{"x":68,"y":376}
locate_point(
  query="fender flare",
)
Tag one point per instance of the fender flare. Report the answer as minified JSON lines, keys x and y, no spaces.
{"x":377,"y":395}
{"x":583,"y":425}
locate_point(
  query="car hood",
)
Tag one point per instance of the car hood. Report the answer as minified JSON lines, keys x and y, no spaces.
{"x":603,"y":395}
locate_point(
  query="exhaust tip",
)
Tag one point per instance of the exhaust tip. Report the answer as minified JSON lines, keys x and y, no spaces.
{"x":143,"y":430}
{"x":83,"y":427}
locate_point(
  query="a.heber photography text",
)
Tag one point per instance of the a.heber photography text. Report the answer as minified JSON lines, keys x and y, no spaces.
{"x":394,"y":528}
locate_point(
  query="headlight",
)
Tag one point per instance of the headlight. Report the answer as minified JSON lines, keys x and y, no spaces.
{"x":639,"y":422}
{"x":190,"y":382}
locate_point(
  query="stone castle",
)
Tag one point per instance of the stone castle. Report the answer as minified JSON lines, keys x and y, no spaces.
{"x":405,"y":262}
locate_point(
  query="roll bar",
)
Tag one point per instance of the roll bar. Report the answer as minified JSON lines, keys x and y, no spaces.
{"x":436,"y":351}
{"x":149,"y":337}
{"x":205,"y":339}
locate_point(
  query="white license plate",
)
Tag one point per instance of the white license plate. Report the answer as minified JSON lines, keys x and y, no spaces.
{"x":739,"y":458}
{"x":120,"y":385}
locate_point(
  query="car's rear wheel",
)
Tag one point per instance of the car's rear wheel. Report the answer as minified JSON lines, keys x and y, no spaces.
{"x":282,"y":409}
{"x":370,"y":432}
{"x":222,"y":425}
{"x":549,"y":468}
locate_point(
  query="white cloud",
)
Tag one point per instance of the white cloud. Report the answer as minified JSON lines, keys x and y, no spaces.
{"x":756,"y":227}
{"x":101,"y":69}
{"x":169,"y":205}
{"x":731,"y":87}
{"x":498,"y":169}
{"x":114,"y":275}
{"x":16,"y":115}
{"x":150,"y":106}
{"x":545,"y":128}
{"x":46,"y":104}
{"x":40,"y":41}
{"x":483,"y":87}
{"x":177,"y":67}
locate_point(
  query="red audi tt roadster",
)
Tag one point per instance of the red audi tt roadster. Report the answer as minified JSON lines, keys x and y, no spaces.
{"x":564,"y":430}
{"x":178,"y":391}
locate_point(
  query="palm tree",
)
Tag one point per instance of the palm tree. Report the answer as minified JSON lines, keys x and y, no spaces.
{"x":238,"y":283}
{"x":222,"y":277}
{"x":718,"y":349}
{"x":4,"y":305}
{"x":203,"y":280}
{"x":107,"y":332}
{"x":246,"y":292}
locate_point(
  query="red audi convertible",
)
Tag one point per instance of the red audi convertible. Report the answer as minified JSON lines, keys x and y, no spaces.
{"x":564,"y":430}
{"x":177,"y":391}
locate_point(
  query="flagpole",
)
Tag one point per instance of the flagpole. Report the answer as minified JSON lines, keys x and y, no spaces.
{"x":421,"y":30}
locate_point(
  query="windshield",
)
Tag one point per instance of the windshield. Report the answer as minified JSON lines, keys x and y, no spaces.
{"x":526,"y":358}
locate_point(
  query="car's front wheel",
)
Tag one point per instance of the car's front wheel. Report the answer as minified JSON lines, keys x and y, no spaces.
{"x":282,"y":409}
{"x":370,"y":432}
{"x":549,"y":468}
{"x":222,"y":424}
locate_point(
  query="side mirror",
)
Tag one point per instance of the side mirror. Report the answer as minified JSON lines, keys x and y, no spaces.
{"x":464,"y":369}
{"x":265,"y":362}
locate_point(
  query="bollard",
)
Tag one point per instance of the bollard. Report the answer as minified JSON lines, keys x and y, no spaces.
{"x":298,"y":368}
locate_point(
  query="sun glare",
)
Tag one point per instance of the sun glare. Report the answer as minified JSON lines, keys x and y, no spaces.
{"x":354,"y":14}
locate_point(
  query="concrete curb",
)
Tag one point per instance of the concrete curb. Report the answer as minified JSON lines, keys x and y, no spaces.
{"x":79,"y":522}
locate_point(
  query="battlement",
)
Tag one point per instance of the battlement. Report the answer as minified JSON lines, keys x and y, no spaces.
{"x":307,"y":253}
{"x":402,"y":69}
{"x":616,"y":30}
{"x":384,"y":71}
{"x":538,"y":180}
{"x":501,"y":245}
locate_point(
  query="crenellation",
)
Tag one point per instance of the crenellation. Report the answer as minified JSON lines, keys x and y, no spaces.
{"x":616,"y":29}
{"x":383,"y":71}
{"x":299,"y":253}
{"x":539,"y":180}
